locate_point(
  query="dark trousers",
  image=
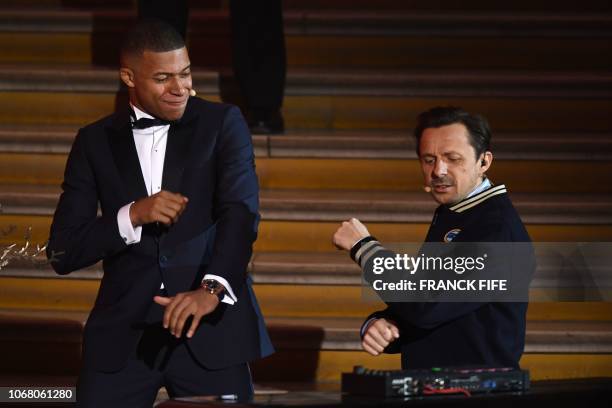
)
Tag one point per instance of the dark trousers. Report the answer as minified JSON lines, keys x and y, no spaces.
{"x":258,"y":54}
{"x":159,"y":360}
{"x":174,"y":12}
{"x":258,"y":48}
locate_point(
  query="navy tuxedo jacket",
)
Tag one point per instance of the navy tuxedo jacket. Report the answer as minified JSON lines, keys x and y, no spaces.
{"x":209,"y":159}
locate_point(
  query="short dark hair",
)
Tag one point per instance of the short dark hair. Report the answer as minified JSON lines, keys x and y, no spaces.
{"x":477,"y":126}
{"x":151,"y":34}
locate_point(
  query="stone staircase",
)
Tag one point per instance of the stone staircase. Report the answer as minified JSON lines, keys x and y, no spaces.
{"x":358,"y":73}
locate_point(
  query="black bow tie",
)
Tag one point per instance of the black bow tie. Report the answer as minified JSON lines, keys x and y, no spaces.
{"x":144,"y":123}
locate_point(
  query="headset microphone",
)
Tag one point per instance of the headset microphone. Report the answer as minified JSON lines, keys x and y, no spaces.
{"x":427,"y":189}
{"x":192,"y":92}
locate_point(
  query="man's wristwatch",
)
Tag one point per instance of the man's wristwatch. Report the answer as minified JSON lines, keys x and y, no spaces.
{"x":213,"y":287}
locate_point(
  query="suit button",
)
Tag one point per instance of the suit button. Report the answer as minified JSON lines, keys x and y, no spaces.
{"x":163,"y":259}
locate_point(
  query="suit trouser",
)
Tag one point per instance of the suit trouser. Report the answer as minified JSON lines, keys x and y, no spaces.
{"x":160,"y":360}
{"x":175,"y":13}
{"x":258,"y":54}
{"x":258,"y":47}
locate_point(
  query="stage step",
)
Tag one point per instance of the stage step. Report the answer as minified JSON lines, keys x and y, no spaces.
{"x":336,"y":269}
{"x":335,"y":333}
{"x":321,"y":348}
{"x":315,"y":236}
{"x":338,"y":112}
{"x":434,"y":39}
{"x":395,"y":5}
{"x":360,"y":144}
{"x":543,"y":102}
{"x":368,"y":206}
{"x":355,"y":82}
{"x":282,"y":298}
{"x":411,"y":5}
{"x":525,"y":176}
{"x":503,"y":83}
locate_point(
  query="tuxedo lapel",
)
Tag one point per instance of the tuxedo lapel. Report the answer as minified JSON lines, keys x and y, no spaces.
{"x":178,"y":146}
{"x":122,"y":145}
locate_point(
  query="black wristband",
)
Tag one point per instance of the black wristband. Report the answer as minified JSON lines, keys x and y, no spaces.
{"x":359,"y":244}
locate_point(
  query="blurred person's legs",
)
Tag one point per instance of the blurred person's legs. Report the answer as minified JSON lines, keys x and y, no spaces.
{"x":258,"y":54}
{"x":175,"y":13}
{"x":259,"y":61}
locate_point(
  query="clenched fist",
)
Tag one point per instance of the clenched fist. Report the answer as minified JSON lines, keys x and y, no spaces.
{"x":379,"y":334}
{"x":349,"y":233}
{"x":164,"y":207}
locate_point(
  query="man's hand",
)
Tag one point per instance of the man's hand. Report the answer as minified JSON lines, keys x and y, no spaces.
{"x":197,"y":303}
{"x":379,"y":334}
{"x":164,"y":207}
{"x":349,"y":232}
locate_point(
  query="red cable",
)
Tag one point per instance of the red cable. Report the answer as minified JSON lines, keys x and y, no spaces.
{"x":429,"y":390}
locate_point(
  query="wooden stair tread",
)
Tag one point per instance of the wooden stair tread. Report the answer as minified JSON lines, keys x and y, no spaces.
{"x":316,"y":81}
{"x":79,"y":78}
{"x":337,"y":205}
{"x":315,"y":236}
{"x":557,"y":41}
{"x":395,"y":5}
{"x":418,"y":207}
{"x":449,"y":5}
{"x":336,"y":333}
{"x":338,"y":110}
{"x":336,"y":269}
{"x":323,"y":143}
{"x":288,"y":299}
{"x":329,"y":22}
{"x":401,"y":144}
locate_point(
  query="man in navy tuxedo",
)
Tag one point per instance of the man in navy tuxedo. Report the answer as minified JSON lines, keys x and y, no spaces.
{"x":164,"y":192}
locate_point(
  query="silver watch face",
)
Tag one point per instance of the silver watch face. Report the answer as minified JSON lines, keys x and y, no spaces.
{"x":211,"y":284}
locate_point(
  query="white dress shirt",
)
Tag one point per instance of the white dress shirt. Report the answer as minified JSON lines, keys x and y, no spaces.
{"x":151,"y":148}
